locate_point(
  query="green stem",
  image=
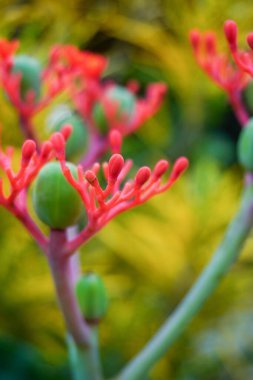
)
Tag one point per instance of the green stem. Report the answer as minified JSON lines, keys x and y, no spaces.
{"x":85,"y":364}
{"x":218,"y":266}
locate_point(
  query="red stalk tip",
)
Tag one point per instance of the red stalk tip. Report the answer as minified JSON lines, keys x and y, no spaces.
{"x":90,"y":176}
{"x":58,"y":142}
{"x":28,"y":149}
{"x":250,"y":40}
{"x":194,"y":37}
{"x":179,"y":167}
{"x":115,"y":166}
{"x":160,"y":168}
{"x":142,"y":176}
{"x":115,"y":140}
{"x":210,"y":42}
{"x":230,"y":30}
{"x":66,"y":131}
{"x":46,"y":149}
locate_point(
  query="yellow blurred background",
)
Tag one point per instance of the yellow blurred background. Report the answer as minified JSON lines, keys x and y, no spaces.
{"x":149,"y":256}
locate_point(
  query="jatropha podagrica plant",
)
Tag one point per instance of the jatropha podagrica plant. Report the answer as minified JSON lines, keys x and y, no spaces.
{"x":68,"y":194}
{"x":64,"y":171}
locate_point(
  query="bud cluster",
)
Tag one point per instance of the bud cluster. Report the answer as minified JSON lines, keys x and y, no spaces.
{"x":65,"y":194}
{"x":232,"y":77}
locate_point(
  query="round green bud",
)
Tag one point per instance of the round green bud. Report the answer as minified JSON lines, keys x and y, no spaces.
{"x":55,"y":201}
{"x":91,"y":296}
{"x":78,"y":141}
{"x":30,"y":71}
{"x":245,"y":146}
{"x":126,"y":104}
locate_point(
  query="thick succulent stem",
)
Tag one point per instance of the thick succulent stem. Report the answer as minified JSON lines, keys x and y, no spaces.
{"x":207,"y":282}
{"x":62,"y":271}
{"x":82,"y":340}
{"x":85,"y":364}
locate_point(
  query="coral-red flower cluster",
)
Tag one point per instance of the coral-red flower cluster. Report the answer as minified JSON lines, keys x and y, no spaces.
{"x":119,"y":194}
{"x":232,"y":77}
{"x":79,"y":73}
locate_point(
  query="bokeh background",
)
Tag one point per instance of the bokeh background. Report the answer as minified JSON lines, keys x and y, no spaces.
{"x":150,"y":256}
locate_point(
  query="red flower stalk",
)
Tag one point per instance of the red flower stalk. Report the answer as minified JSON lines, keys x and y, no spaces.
{"x":144,"y":108}
{"x":244,"y":59}
{"x":7,"y":49}
{"x":231,"y":79}
{"x":18,"y":182}
{"x":77,"y":62}
{"x":102,"y":204}
{"x":66,"y":64}
{"x":119,"y":109}
{"x":113,"y":116}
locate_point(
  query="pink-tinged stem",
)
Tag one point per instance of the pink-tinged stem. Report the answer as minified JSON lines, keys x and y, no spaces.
{"x":86,"y":234}
{"x":62,"y":272}
{"x":238,"y":107}
{"x":27,"y":128}
{"x":97,"y":147}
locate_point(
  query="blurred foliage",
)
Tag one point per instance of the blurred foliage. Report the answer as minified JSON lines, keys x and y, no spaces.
{"x":149,"y":256}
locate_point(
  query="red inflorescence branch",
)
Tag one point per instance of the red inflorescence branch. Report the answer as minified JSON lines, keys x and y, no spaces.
{"x":232,"y":79}
{"x":80,"y":73}
{"x":70,"y":68}
{"x":244,"y":59}
{"x":15,"y":201}
{"x":119,"y":194}
{"x":66,"y":65}
{"x":87,"y":97}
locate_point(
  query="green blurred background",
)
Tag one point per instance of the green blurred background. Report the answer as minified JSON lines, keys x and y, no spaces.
{"x":150,"y":256}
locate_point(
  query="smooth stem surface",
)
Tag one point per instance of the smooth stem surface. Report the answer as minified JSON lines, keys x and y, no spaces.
{"x":82,"y":339}
{"x":62,"y":272}
{"x":218,"y":266}
{"x":85,"y":364}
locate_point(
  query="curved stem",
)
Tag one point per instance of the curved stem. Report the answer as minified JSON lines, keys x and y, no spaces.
{"x":62,"y":271}
{"x":85,"y":364}
{"x":239,"y":108}
{"x":218,"y":266}
{"x":82,"y":338}
{"x":27,"y":129}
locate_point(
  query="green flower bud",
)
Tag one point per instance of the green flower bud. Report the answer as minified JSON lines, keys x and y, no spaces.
{"x":78,"y":141}
{"x":126,"y":105}
{"x":30,"y":71}
{"x":91,"y":296}
{"x":55,"y":201}
{"x":245,"y":146}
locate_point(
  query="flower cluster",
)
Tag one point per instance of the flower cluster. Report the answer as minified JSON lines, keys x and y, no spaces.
{"x":232,"y":77}
{"x":103,"y":114}
{"x":118,"y":195}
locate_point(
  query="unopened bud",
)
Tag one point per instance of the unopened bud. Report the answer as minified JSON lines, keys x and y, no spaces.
{"x":250,"y":40}
{"x":160,"y":168}
{"x":46,"y":149}
{"x":115,"y":139}
{"x":55,"y":200}
{"x":66,"y":131}
{"x":179,"y":167}
{"x":115,"y":166}
{"x":59,"y":144}
{"x":210,"y":41}
{"x":90,"y":176}
{"x":230,"y":30}
{"x":30,"y":70}
{"x":28,"y":149}
{"x":92,"y":297}
{"x":195,"y":39}
{"x":142,"y":176}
